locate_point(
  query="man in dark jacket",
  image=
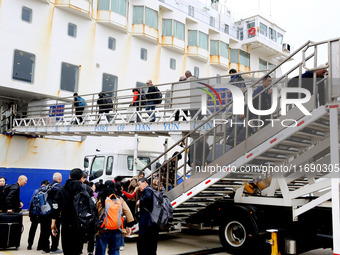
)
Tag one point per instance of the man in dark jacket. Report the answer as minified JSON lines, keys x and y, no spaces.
{"x":236,"y":79}
{"x":200,"y":146}
{"x":150,"y":105}
{"x":105,"y":105}
{"x":307,"y":83}
{"x":79,"y":108}
{"x":263,"y":100}
{"x":71,"y":238}
{"x":13,"y":202}
{"x":148,"y":231}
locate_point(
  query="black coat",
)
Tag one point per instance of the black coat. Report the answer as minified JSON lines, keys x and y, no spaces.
{"x":146,"y":205}
{"x":13,"y":198}
{"x":105,"y":104}
{"x":63,"y":202}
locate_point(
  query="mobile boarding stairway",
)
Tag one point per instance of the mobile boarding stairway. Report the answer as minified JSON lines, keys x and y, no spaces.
{"x":304,"y":154}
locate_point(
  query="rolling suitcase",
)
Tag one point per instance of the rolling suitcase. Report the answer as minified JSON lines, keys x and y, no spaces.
{"x":10,"y":230}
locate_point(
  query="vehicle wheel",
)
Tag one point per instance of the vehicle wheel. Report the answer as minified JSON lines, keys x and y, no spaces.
{"x":236,"y":235}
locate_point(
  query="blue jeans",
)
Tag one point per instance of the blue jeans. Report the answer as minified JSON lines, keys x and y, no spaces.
{"x":150,"y":107}
{"x":112,"y":239}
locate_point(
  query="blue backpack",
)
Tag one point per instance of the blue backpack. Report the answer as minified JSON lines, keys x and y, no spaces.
{"x":41,"y":204}
{"x":81,"y":101}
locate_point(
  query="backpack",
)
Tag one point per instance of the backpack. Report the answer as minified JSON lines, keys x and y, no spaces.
{"x":162,"y":211}
{"x":113,"y":214}
{"x":141,"y":97}
{"x":85,"y":208}
{"x":81,"y":101}
{"x":41,"y":204}
{"x":158,"y":96}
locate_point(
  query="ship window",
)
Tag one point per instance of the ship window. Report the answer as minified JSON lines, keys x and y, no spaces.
{"x":214,"y":48}
{"x":26,"y":14}
{"x":145,"y":160}
{"x":191,"y":11}
{"x":203,"y":40}
{"x":192,"y":38}
{"x":112,"y":43}
{"x":69,"y":77}
{"x":226,"y":29}
{"x":138,"y":15}
{"x":172,"y":63}
{"x":72,"y":30}
{"x":224,"y":49}
{"x":244,"y":58}
{"x":279,"y":38}
{"x":143,"y":85}
{"x":196,"y":71}
{"x":103,"y":5}
{"x":249,"y":26}
{"x":240,"y":33}
{"x":272,"y":34}
{"x":271,"y":67}
{"x":119,"y":6}
{"x":151,"y":18}
{"x":233,"y":56}
{"x":263,"y":29}
{"x":218,"y":79}
{"x":23,"y":66}
{"x":263,"y":65}
{"x":212,"y":21}
{"x":109,"y":165}
{"x":179,"y":30}
{"x":110,"y":83}
{"x":167,"y":27}
{"x":143,"y":54}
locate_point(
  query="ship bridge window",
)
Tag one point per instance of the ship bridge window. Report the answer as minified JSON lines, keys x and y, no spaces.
{"x":72,"y":30}
{"x":250,"y":25}
{"x":263,"y":29}
{"x":173,"y":28}
{"x":110,"y":83}
{"x":226,"y":29}
{"x":279,"y":38}
{"x":272,"y":34}
{"x":149,"y":19}
{"x":26,"y":14}
{"x":143,"y":54}
{"x":198,"y":38}
{"x":112,"y":43}
{"x":69,"y":77}
{"x":144,"y":160}
{"x":23,"y":66}
{"x":212,"y":21}
{"x":117,"y":6}
{"x":191,"y":11}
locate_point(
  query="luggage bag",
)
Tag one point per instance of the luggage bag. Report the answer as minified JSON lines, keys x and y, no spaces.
{"x":11,"y":229}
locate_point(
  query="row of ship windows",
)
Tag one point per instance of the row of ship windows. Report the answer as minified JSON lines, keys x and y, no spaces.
{"x":24,"y":65}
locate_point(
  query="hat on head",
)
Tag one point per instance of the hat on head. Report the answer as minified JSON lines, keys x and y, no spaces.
{"x":323,"y":66}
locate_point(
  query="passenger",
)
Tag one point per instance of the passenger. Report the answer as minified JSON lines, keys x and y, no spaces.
{"x":141,"y":175}
{"x":71,"y":239}
{"x":137,"y":102}
{"x":92,"y":185}
{"x":84,"y":178}
{"x":131,"y":196}
{"x":236,"y":79}
{"x":240,"y":131}
{"x":79,"y":105}
{"x":105,"y":105}
{"x":56,"y":185}
{"x":266,"y":100}
{"x":157,"y":185}
{"x":2,"y":193}
{"x":35,"y":220}
{"x":171,"y":165}
{"x":13,"y":202}
{"x":148,"y":231}
{"x":307,"y":83}
{"x":150,"y":96}
{"x":182,"y":78}
{"x":91,"y":236}
{"x":201,"y":147}
{"x":111,"y":238}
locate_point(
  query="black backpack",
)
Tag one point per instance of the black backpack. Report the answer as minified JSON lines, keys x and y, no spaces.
{"x":162,"y":210}
{"x":86,"y":213}
{"x":157,"y":96}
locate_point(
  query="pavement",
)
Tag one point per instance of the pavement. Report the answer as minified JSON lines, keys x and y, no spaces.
{"x":187,"y":242}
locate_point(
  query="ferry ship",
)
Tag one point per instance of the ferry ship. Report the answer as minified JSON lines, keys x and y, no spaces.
{"x":53,"y":48}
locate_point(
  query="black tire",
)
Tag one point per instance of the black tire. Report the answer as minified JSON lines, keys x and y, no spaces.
{"x":237,"y":235}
